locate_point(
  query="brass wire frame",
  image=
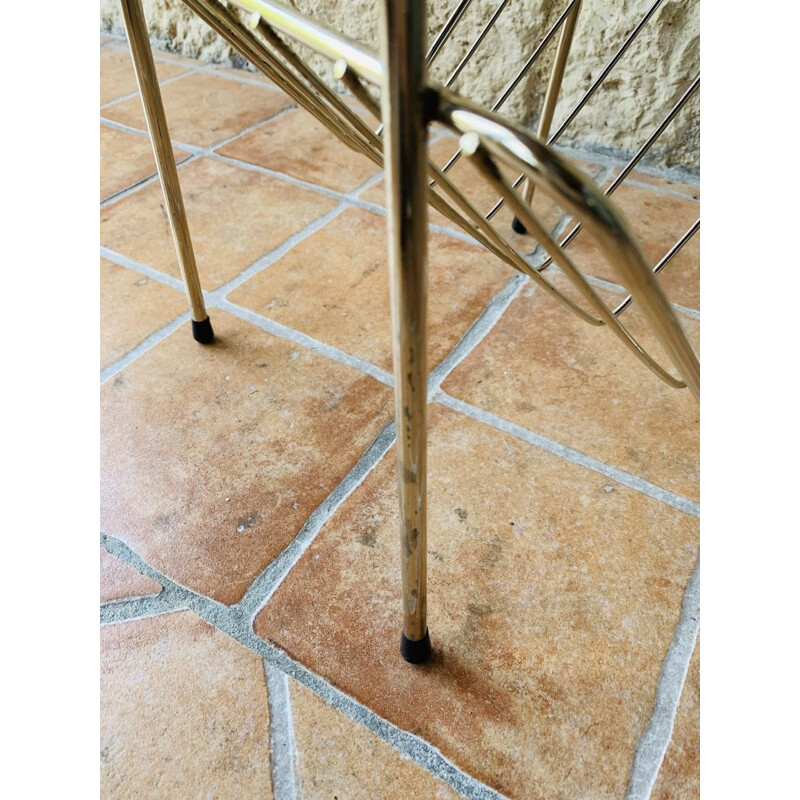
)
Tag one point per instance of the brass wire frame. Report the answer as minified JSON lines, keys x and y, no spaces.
{"x":409,"y":103}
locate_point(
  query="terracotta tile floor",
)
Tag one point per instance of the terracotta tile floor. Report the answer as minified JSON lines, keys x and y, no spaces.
{"x":249,"y":584}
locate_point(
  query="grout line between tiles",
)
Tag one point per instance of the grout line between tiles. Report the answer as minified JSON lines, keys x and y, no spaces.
{"x":634,"y":482}
{"x":653,"y":744}
{"x":265,"y":585}
{"x":302,"y":339}
{"x":283,"y":750}
{"x":137,"y":266}
{"x":135,"y":187}
{"x":488,"y":318}
{"x":133,"y":608}
{"x":146,"y":344}
{"x":135,"y":93}
{"x":238,"y":626}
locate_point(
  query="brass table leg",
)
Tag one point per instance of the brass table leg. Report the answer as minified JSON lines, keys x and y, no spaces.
{"x":551,"y":97}
{"x":147,"y":79}
{"x":405,"y":163}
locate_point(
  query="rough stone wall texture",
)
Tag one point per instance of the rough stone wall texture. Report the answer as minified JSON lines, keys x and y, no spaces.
{"x":649,"y":79}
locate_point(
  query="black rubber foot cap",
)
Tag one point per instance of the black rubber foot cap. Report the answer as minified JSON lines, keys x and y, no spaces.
{"x":416,"y":652}
{"x":202,"y":331}
{"x":517,"y":226}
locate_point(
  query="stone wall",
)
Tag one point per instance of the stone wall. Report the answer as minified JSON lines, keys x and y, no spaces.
{"x":642,"y":87}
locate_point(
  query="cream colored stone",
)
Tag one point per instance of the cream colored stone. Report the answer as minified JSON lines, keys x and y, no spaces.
{"x":644,"y":84}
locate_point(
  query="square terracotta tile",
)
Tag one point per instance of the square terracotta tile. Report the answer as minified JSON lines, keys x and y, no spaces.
{"x":118,"y":79}
{"x":337,"y":757}
{"x":132,"y":306}
{"x":183,"y":713}
{"x":552,"y":373}
{"x":126,"y":159}
{"x":554,"y":594}
{"x":203,"y":108}
{"x":657,"y":220}
{"x":334,"y":286}
{"x":481,"y":194}
{"x":302,"y":147}
{"x":235,"y":217}
{"x":119,"y":580}
{"x":679,"y":776}
{"x":212,"y":458}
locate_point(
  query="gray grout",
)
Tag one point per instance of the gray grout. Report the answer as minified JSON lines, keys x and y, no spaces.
{"x":135,"y":187}
{"x":302,"y":339}
{"x":653,"y":744}
{"x":672,"y":499}
{"x":477,"y":331}
{"x":137,"y":266}
{"x":146,"y":344}
{"x":265,"y":585}
{"x":125,"y":97}
{"x":282,"y":746}
{"x":239,"y":627}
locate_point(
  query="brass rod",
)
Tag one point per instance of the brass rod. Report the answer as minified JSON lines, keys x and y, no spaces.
{"x":521,"y":73}
{"x":402,"y":45}
{"x":446,"y":31}
{"x":147,"y":79}
{"x":554,"y":86}
{"x":474,"y":46}
{"x":317,"y":37}
{"x":639,"y":155}
{"x":471,"y":145}
{"x":608,"y":67}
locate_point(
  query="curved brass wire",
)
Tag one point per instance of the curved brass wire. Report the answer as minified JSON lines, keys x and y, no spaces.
{"x":580,"y":196}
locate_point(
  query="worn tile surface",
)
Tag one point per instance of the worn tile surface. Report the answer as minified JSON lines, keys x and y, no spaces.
{"x":235,"y":216}
{"x":118,"y":79}
{"x":679,"y":776}
{"x":549,"y":621}
{"x":552,"y":373}
{"x":183,"y":713}
{"x":126,"y":159}
{"x":132,"y":306}
{"x":210,"y":480}
{"x":302,"y":147}
{"x":203,"y":109}
{"x":337,"y":757}
{"x":334,"y":286}
{"x":119,"y":580}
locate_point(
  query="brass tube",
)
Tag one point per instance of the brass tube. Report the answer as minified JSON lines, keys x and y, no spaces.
{"x":318,"y":37}
{"x":553,"y":89}
{"x":147,"y":79}
{"x":402,"y":48}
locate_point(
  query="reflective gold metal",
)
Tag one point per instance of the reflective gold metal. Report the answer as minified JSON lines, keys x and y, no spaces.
{"x":554,"y":86}
{"x":146,"y":78}
{"x":405,"y":135}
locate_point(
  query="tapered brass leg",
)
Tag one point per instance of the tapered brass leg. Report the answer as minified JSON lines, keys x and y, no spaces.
{"x":406,"y":185}
{"x":551,"y":97}
{"x":147,"y":79}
